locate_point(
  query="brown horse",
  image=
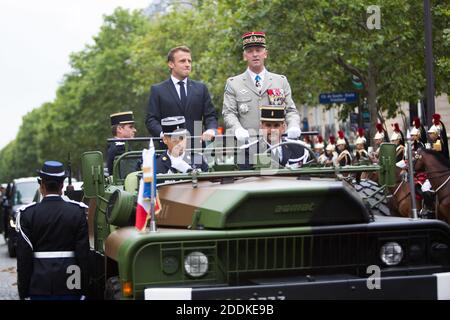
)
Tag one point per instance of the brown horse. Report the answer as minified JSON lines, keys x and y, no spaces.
{"x":437,"y":168}
{"x":400,"y":199}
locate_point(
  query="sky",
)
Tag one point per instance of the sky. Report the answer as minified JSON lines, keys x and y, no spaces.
{"x":36,"y":39}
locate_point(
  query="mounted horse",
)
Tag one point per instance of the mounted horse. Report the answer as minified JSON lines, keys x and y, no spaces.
{"x":437,"y":168}
{"x":400,"y":199}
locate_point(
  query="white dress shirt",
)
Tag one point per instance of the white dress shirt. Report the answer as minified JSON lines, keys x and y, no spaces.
{"x":253,"y":76}
{"x":177,"y":86}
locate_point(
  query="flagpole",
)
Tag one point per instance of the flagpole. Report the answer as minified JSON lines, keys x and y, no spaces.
{"x":153,"y":196}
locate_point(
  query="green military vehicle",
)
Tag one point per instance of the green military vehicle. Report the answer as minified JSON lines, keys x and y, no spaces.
{"x":302,"y":233}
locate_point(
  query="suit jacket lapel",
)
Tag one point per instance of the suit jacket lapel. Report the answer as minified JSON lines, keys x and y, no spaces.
{"x":174,"y":94}
{"x":248,"y":82}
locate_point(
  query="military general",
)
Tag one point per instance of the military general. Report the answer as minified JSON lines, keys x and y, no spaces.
{"x":245,"y":93}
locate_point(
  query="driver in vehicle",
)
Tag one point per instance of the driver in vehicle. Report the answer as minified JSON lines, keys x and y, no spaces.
{"x":175,"y":159}
{"x":272,"y":129}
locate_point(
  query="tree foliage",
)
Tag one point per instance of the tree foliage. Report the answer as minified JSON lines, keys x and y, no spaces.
{"x":317,"y":44}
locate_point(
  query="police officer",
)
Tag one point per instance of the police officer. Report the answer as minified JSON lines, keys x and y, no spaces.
{"x":175,"y":159}
{"x":272,"y":129}
{"x":53,"y":243}
{"x":122,"y":127}
{"x":245,"y":93}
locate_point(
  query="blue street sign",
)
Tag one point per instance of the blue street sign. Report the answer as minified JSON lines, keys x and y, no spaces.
{"x":338,"y":97}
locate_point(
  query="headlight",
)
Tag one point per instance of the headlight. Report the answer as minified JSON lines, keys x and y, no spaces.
{"x":196,"y":264}
{"x":391,"y":253}
{"x":12,"y":224}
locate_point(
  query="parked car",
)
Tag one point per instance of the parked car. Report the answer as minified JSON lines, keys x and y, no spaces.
{"x":19,"y":193}
{"x":76,"y":193}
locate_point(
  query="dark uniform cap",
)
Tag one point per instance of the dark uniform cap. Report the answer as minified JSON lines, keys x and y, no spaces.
{"x":253,"y":39}
{"x":52,"y":170}
{"x":272,"y":113}
{"x":173,"y":125}
{"x":122,"y":118}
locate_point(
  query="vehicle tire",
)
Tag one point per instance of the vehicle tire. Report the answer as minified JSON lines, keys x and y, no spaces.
{"x":113,"y":289}
{"x":376,"y":199}
{"x":11,"y":248}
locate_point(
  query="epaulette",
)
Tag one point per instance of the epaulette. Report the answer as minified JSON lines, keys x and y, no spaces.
{"x":282,"y":76}
{"x":81,"y":204}
{"x":119,"y":143}
{"x":22,"y":208}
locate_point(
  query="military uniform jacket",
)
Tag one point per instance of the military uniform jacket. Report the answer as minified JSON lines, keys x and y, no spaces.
{"x":416,"y":145}
{"x":290,"y":154}
{"x":242,"y":100}
{"x":441,"y":147}
{"x":115,"y":148}
{"x":333,"y":158}
{"x":322,"y":159}
{"x":400,"y":152}
{"x":344,"y":158}
{"x":52,"y":226}
{"x":196,"y":160}
{"x":361,"y":155}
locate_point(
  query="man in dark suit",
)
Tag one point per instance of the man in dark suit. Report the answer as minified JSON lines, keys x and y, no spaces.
{"x":53,"y":242}
{"x":181,"y":96}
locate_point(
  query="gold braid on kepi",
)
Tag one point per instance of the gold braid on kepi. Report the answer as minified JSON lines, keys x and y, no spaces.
{"x":253,"y":39}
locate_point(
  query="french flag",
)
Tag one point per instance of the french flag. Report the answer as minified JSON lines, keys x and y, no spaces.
{"x":147,"y":189}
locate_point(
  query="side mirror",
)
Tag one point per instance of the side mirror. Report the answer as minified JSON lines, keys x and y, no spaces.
{"x":387,"y":164}
{"x":92,"y":172}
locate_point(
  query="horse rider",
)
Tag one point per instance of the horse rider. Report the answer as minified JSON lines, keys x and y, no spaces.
{"x":378,"y":139}
{"x":344,"y":156}
{"x":361,"y":154}
{"x":417,"y":136}
{"x":398,"y":139}
{"x":330,"y":152}
{"x":438,"y":136}
{"x":319,"y":150}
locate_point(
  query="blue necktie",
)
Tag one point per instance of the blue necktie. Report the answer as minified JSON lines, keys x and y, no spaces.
{"x":182,"y":94}
{"x":258,"y":81}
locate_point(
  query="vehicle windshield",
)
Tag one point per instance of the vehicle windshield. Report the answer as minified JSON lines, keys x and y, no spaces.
{"x":25,"y":192}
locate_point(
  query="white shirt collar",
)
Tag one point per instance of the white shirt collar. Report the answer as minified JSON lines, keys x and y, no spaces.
{"x":280,"y":150}
{"x":253,"y":75}
{"x":172,"y":157}
{"x":175,"y":81}
{"x":52,"y":195}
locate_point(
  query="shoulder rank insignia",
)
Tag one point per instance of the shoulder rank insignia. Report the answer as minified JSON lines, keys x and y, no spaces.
{"x":120,"y":143}
{"x":164,"y":158}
